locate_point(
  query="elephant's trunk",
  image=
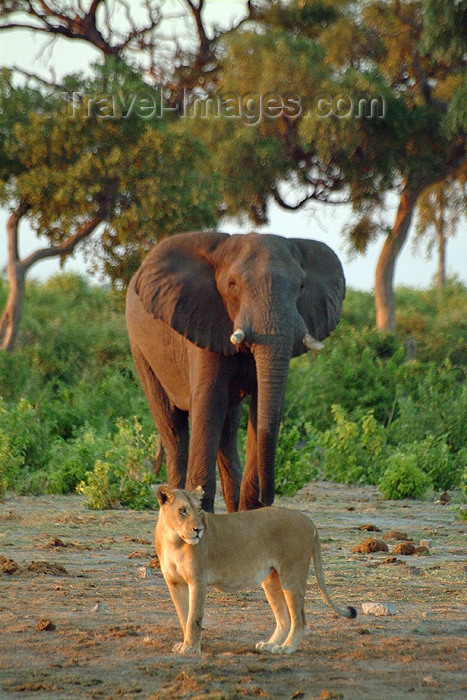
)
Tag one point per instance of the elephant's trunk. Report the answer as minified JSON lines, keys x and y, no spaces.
{"x":271,"y":368}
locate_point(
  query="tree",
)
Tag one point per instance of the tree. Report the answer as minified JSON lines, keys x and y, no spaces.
{"x":439,"y":210}
{"x":407,"y":55}
{"x":64,"y":196}
{"x":330,"y":55}
{"x":71,"y":172}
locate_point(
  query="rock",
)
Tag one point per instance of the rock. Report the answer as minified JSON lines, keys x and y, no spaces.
{"x":370,"y":528}
{"x":154,"y":563}
{"x":425,"y":543}
{"x":43,"y":567}
{"x":100,"y":607}
{"x":144,"y":572}
{"x":56,"y":542}
{"x":429,"y":682}
{"x":379,"y":609}
{"x":392,"y":560}
{"x":404,"y":548}
{"x":444,"y":498}
{"x":421,"y":551}
{"x":45,"y":625}
{"x":371,"y":545}
{"x":140,"y":554}
{"x":8,"y":566}
{"x":395,"y":535}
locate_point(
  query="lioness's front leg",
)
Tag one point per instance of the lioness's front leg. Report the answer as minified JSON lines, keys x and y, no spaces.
{"x":179,"y":594}
{"x":192,"y":641}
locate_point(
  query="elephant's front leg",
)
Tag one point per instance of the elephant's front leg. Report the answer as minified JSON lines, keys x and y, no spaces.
{"x":250,"y":484}
{"x":228,"y":460}
{"x":208,"y":410}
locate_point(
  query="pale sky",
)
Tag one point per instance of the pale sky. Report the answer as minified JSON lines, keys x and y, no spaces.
{"x":322,"y":222}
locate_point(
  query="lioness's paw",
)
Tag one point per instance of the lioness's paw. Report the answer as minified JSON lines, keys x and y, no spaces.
{"x":281,"y":649}
{"x":264,"y":646}
{"x":182,"y":648}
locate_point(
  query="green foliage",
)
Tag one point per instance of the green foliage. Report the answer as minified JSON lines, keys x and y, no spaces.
{"x":352,"y":451}
{"x":70,"y":394}
{"x":403,"y":478}
{"x":296,"y":458}
{"x":123,"y":479}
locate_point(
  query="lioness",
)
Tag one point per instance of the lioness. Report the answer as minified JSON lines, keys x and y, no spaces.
{"x":233,"y":552}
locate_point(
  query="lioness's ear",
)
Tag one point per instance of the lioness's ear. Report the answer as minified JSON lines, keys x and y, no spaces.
{"x":164,"y":495}
{"x":198,"y":494}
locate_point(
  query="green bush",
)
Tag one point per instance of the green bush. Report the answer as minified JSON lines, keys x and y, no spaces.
{"x":26,"y":439}
{"x":353,"y":451}
{"x":402,"y":477}
{"x":123,"y":478}
{"x":70,"y":460}
{"x":71,"y":380}
{"x":296,"y":459}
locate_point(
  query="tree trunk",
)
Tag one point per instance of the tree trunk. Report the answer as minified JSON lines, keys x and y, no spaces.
{"x":441,"y":236}
{"x":385,"y":269}
{"x":11,"y":316}
{"x":17,"y":270}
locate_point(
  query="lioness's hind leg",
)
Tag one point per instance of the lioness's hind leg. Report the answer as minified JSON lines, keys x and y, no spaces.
{"x":276,"y":599}
{"x":296,"y":604}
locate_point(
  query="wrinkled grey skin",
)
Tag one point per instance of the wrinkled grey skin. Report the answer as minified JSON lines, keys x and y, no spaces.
{"x":183,"y":304}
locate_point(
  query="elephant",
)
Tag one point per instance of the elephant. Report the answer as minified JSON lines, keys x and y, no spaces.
{"x":213,"y":318}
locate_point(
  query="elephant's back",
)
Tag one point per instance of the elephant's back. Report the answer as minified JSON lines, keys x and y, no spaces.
{"x":163,"y":349}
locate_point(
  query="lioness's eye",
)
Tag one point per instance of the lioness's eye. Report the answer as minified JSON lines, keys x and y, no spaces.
{"x":182,"y":511}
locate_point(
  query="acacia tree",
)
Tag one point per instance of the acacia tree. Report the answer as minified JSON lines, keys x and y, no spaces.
{"x":71,"y":173}
{"x":133,"y":190}
{"x":344,"y":51}
{"x":409,"y":52}
{"x":439,"y":211}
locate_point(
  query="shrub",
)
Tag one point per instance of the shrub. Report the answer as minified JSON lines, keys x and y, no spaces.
{"x":10,"y":463}
{"x":402,"y":477}
{"x":296,"y":459}
{"x":28,"y":439}
{"x":123,"y":478}
{"x":70,"y":460}
{"x":352,"y":451}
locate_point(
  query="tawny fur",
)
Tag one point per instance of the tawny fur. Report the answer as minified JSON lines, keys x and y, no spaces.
{"x":271,"y":547}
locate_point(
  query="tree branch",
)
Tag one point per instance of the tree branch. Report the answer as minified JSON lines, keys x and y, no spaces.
{"x":66,"y":247}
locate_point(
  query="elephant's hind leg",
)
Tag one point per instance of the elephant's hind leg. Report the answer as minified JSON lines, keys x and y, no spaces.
{"x":228,"y":459}
{"x":171,"y":422}
{"x":276,"y":599}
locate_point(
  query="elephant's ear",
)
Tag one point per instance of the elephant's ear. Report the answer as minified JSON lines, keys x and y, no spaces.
{"x":320,"y":302}
{"x":176,"y":284}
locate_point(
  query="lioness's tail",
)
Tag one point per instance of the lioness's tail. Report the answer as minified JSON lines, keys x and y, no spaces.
{"x":318,"y":564}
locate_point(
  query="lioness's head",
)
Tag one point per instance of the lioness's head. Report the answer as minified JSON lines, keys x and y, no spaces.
{"x":182,"y":512}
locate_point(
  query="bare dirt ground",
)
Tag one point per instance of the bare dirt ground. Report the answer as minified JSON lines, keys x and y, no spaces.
{"x":97,"y":629}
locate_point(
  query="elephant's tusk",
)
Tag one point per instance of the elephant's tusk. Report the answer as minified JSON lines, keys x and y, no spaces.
{"x":237,"y":336}
{"x":311,"y":343}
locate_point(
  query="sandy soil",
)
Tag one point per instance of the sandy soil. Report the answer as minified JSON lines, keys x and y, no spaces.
{"x":96,"y":628}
